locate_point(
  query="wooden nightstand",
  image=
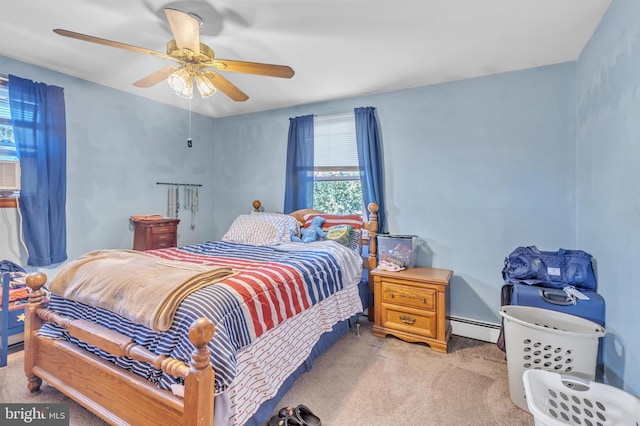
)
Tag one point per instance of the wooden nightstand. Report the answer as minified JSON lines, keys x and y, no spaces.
{"x":155,"y":234}
{"x":412,"y":305}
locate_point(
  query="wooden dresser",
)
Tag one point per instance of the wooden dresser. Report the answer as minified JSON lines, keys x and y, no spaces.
{"x":155,"y":234}
{"x":413,"y":305}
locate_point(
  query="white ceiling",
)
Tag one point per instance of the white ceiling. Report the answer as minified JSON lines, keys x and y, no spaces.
{"x":337,"y":48}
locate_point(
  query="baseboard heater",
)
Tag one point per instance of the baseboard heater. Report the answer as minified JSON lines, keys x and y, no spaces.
{"x":479,"y":330}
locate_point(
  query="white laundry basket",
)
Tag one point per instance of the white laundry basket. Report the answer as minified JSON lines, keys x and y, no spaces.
{"x":537,"y":338}
{"x":557,"y":399}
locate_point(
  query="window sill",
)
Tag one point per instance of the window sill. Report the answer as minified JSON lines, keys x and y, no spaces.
{"x":8,"y":203}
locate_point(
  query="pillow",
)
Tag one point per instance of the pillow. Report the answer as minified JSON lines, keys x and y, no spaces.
{"x":354,"y":239}
{"x":290,"y":224}
{"x":354,"y":220}
{"x":258,"y":230}
{"x":340,"y":234}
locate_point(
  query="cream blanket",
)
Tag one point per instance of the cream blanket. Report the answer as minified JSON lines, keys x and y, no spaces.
{"x":138,"y":286}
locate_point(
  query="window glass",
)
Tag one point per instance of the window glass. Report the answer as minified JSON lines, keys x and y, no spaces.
{"x":337,"y":187}
{"x":7,"y":143}
{"x":8,"y":152}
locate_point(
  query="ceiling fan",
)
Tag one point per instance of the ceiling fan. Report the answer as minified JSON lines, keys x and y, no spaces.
{"x":196,"y":61}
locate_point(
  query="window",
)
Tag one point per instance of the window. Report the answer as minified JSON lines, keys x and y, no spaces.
{"x":7,"y":143}
{"x":336,"y":187}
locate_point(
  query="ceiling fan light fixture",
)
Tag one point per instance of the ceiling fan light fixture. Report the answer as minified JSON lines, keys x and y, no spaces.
{"x":205,"y":84}
{"x":193,"y":58}
{"x":181,"y":82}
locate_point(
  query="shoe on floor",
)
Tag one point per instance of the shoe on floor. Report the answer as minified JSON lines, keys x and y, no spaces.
{"x":304,"y":414}
{"x":286,"y":411}
{"x":284,"y":421}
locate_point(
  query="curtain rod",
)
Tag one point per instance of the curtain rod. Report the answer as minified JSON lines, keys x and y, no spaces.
{"x":180,"y":184}
{"x":335,"y":114}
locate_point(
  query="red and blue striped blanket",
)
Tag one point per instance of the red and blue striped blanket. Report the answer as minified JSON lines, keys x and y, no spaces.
{"x":274,"y":284}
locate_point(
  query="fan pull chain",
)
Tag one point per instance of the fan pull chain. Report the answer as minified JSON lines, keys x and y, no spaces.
{"x":189,"y":140}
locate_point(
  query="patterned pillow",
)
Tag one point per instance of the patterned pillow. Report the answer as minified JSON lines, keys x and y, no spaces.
{"x":340,"y":234}
{"x":354,"y":220}
{"x":354,"y":239}
{"x":290,"y":224}
{"x":258,"y":230}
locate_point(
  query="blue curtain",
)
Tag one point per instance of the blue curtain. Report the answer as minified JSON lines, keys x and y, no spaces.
{"x":299,"y":173}
{"x":370,"y":161}
{"x":39,"y":129}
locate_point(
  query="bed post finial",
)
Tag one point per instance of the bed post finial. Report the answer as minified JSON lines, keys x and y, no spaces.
{"x":36,"y":280}
{"x":373,"y":208}
{"x":197,"y":409}
{"x":201,"y":332}
{"x":256,"y":205}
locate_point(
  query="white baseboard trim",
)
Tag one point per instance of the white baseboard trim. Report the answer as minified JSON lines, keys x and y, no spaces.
{"x":479,"y":330}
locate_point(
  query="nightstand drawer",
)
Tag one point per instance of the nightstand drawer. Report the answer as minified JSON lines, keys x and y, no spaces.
{"x":414,"y":322}
{"x":169,"y":229}
{"x":161,"y":245}
{"x":409,"y":296}
{"x":162,"y":238}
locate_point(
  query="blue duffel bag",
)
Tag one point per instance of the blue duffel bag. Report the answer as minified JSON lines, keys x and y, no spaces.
{"x":555,"y":269}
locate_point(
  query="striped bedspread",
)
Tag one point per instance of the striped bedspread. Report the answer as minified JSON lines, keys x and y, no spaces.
{"x":273,"y":285}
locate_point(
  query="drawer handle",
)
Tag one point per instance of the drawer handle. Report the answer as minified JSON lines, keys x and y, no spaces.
{"x":408,"y":296}
{"x":407,"y":319}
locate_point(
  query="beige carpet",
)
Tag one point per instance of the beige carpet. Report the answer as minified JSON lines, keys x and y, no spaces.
{"x":365,"y":380}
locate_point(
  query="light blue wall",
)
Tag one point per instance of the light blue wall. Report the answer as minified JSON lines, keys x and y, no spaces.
{"x":474,"y":168}
{"x":118,"y":147}
{"x":608,"y":180}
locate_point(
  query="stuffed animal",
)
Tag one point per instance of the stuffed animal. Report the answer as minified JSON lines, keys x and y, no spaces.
{"x":313,"y":232}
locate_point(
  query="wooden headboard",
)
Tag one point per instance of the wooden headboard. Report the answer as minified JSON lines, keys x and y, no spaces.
{"x":370,"y":225}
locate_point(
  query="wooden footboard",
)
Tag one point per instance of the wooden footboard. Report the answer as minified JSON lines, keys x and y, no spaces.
{"x":116,"y":395}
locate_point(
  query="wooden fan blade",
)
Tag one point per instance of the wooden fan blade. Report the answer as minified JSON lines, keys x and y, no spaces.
{"x":185,"y":29}
{"x":156,"y":77}
{"x":111,"y":43}
{"x":270,"y":70}
{"x":225,"y":86}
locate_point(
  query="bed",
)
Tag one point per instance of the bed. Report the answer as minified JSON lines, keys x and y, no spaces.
{"x":212,"y":360}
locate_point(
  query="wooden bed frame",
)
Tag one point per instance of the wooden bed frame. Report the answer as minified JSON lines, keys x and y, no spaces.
{"x":118,"y":396}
